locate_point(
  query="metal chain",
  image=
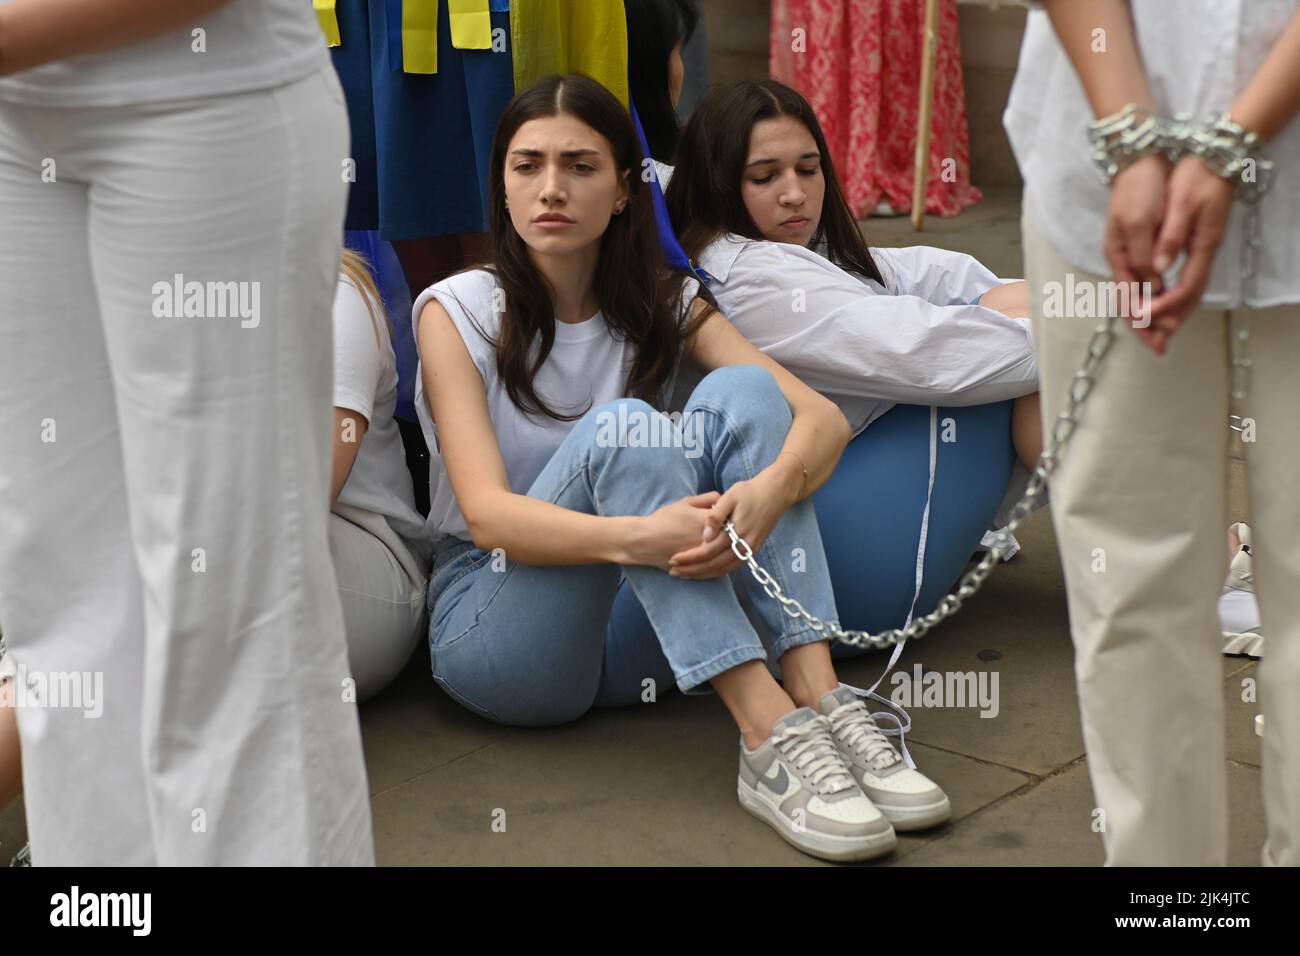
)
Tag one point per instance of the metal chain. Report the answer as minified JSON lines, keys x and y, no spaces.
{"x":1062,"y":430}
{"x":1241,"y":364}
{"x":1084,"y":380}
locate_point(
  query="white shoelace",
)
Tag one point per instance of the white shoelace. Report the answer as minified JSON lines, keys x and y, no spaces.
{"x":853,"y":724}
{"x":811,"y":749}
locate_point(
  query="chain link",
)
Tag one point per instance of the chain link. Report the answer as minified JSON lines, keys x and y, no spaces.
{"x":1241,"y":364}
{"x":1062,"y":430}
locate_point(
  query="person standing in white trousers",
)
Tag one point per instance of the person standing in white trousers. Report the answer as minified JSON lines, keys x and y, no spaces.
{"x":1139,"y":498}
{"x":172,"y":223}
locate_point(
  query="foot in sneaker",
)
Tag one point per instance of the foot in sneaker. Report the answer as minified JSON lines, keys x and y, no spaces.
{"x":1238,"y":608}
{"x":908,"y":798}
{"x":797,"y":783}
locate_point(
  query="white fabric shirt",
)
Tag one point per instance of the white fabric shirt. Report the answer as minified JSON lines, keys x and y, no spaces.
{"x":1199,"y":55}
{"x":365,"y":381}
{"x":866,"y":346}
{"x":587,"y":366}
{"x":247,"y":45}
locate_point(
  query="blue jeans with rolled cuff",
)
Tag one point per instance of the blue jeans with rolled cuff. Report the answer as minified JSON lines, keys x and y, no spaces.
{"x":540,"y":645}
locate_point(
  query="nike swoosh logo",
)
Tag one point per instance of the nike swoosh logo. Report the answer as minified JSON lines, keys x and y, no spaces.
{"x":777,"y":784}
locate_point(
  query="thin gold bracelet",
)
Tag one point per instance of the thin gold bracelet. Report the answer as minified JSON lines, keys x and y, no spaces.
{"x":804,"y":482}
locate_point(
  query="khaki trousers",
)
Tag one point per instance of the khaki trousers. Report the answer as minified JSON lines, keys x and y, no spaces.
{"x":1139,"y":504}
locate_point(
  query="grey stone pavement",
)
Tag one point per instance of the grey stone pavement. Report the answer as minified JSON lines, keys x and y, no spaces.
{"x":656,"y":784}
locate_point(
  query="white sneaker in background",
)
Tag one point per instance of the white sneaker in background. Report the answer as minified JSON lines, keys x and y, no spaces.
{"x":884,"y":210}
{"x":1238,"y":607}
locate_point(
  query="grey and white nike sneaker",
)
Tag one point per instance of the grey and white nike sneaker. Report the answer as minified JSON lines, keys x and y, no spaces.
{"x":797,"y":783}
{"x":908,"y":798}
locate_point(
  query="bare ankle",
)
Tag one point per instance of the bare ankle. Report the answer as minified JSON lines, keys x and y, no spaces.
{"x":806,"y":694}
{"x":755,"y":700}
{"x":807,"y":673}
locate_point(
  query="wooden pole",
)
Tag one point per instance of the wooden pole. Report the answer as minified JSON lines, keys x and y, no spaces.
{"x":921,"y":176}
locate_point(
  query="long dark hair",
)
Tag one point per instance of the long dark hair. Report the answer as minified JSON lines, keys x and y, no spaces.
{"x":704,"y":197}
{"x":654,"y":27}
{"x":635,"y":289}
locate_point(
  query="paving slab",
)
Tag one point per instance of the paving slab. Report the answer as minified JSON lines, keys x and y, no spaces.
{"x":1015,"y":628}
{"x":989,"y":230}
{"x":412,"y":726}
{"x":620,"y":787}
{"x":1244,"y":746}
{"x":1050,"y":824}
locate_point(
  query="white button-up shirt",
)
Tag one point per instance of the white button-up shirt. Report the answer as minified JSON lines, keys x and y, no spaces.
{"x":1198,"y":55}
{"x":867,"y":346}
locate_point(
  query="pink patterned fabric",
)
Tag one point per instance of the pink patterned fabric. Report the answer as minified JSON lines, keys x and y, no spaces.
{"x":860,"y":68}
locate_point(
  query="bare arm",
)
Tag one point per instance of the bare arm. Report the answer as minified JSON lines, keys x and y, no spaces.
{"x":36,"y":32}
{"x":349,"y":428}
{"x":530,"y":530}
{"x":819,"y":432}
{"x":1011,"y":299}
{"x":11,"y":766}
{"x":1200,"y":202}
{"x":1272,"y":98}
{"x":817,"y":437}
{"x":1114,"y":78}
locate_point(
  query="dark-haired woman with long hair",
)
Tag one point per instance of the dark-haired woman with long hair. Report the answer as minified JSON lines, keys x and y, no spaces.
{"x":756,"y":203}
{"x":581,"y":558}
{"x":661,"y":29}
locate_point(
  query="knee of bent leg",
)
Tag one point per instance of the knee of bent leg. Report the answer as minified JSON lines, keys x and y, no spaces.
{"x":746,"y":392}
{"x":634,"y":433}
{"x":740,"y":384}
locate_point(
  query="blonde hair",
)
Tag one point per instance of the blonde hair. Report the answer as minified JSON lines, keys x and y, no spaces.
{"x":356,"y":270}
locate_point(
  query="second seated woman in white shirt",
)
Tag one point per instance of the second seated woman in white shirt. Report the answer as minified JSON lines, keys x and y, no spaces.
{"x":752,"y":196}
{"x":377,"y":538}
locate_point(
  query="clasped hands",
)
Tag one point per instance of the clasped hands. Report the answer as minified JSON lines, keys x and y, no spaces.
{"x":1158,"y":210}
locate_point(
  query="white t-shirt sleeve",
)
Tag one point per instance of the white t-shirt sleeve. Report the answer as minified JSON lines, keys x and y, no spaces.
{"x":358,"y":356}
{"x":839,"y":338}
{"x":468,"y":298}
{"x":939,"y":276}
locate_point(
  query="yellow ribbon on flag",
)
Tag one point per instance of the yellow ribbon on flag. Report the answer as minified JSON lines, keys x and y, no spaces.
{"x":570,"y":36}
{"x":471,"y":24}
{"x":328,"y":18}
{"x":420,"y":36}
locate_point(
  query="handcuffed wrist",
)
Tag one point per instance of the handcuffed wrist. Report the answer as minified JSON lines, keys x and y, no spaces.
{"x":1227,"y":148}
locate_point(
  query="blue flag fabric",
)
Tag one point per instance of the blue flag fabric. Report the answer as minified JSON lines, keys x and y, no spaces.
{"x":673,"y":250}
{"x":389,"y":278}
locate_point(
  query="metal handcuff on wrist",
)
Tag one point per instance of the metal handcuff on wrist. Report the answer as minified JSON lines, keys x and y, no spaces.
{"x":1229,"y":151}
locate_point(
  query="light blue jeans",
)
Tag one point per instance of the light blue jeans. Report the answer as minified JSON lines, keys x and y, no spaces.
{"x":539,"y":645}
